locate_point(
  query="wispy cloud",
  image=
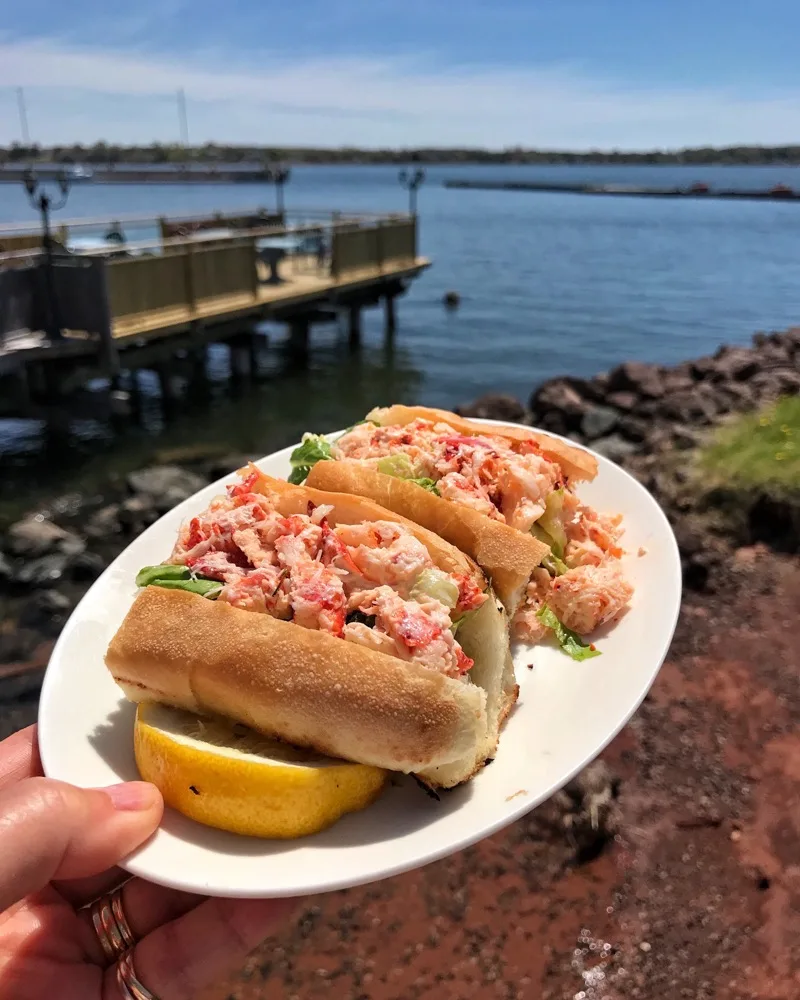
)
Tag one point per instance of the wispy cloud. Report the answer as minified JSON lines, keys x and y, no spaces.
{"x":124,"y":94}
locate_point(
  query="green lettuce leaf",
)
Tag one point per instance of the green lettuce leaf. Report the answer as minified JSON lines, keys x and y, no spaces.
{"x":174,"y":577}
{"x":570,"y":641}
{"x":313,"y":448}
{"x":166,"y":571}
{"x":458,"y":622}
{"x":401,"y":467}
{"x":551,"y":522}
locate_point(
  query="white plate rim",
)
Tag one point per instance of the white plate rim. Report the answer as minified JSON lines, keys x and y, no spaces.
{"x":525,"y":804}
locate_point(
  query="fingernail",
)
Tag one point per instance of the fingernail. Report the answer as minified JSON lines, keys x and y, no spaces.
{"x":132,"y":795}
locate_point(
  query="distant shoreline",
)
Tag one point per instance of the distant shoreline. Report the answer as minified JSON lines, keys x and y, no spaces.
{"x":223,"y":155}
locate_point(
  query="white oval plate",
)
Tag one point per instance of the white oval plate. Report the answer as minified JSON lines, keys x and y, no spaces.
{"x":567,"y":713}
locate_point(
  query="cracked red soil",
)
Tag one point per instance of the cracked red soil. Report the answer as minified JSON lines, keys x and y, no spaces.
{"x":697,"y":895}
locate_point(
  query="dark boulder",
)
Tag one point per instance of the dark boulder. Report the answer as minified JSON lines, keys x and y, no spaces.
{"x":634,"y":428}
{"x":46,"y":571}
{"x":623,"y":401}
{"x":494,"y":406}
{"x":226,"y":464}
{"x":598,"y":421}
{"x":45,"y":612}
{"x":702,"y":368}
{"x":86,"y":567}
{"x":734,"y":364}
{"x":36,"y":536}
{"x":615,"y":447}
{"x":165,"y":485}
{"x":104,"y":522}
{"x":559,"y":395}
{"x":639,"y":378}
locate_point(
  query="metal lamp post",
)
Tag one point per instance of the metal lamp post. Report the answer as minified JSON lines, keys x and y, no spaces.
{"x":45,"y":204}
{"x":279,"y":174}
{"x":411,"y":181}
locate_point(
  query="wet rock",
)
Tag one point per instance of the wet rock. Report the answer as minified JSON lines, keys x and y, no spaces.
{"x":46,"y":571}
{"x":559,"y":395}
{"x":45,"y":612}
{"x":683,"y":436}
{"x":637,"y":377}
{"x":624,"y":401}
{"x":36,"y":536}
{"x":86,"y":567}
{"x":695,"y":406}
{"x":736,"y":396}
{"x":598,"y":421}
{"x":634,"y":429}
{"x":18,"y":645}
{"x":702,"y":368}
{"x":769,"y":385}
{"x":734,"y":364}
{"x":615,"y":447}
{"x":6,"y":569}
{"x":136,"y":513}
{"x":495,"y":406}
{"x":227,"y":464}
{"x":165,"y":485}
{"x":104,"y":522}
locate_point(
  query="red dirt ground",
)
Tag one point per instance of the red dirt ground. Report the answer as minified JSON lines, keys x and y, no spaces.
{"x":697,"y":894}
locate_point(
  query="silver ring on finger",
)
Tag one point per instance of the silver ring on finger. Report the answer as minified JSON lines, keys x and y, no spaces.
{"x":111,"y":925}
{"x":128,"y":982}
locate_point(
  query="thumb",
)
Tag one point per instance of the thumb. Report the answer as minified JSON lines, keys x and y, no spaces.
{"x":49,"y":829}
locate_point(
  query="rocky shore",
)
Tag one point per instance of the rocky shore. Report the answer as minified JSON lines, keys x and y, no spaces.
{"x":646,"y":417}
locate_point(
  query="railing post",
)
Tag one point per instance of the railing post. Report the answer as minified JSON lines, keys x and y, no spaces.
{"x":335,"y":253}
{"x":379,"y":243}
{"x":189,"y":277}
{"x":108,"y":349}
{"x":253,"y":266}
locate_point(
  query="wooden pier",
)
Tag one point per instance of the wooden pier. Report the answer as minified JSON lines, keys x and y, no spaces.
{"x":182,"y":293}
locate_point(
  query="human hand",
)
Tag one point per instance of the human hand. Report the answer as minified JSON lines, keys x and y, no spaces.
{"x":58,"y":849}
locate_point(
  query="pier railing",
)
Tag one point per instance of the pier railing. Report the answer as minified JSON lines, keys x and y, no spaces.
{"x":384,"y":242}
{"x":190,"y":280}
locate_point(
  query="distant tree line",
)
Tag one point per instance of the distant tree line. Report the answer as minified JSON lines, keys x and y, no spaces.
{"x":211,"y":153}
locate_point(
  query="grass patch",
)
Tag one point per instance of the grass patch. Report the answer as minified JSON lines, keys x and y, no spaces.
{"x":758,"y":452}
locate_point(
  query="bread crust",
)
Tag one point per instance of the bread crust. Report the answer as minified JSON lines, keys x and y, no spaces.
{"x":576,"y":463}
{"x":306,"y":687}
{"x":508,"y":556}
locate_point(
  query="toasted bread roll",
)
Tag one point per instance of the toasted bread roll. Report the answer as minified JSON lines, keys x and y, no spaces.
{"x":314,"y":689}
{"x":575,"y":462}
{"x":507,"y":555}
{"x":306,"y":687}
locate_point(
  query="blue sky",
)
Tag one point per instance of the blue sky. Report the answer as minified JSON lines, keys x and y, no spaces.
{"x":577,"y":74}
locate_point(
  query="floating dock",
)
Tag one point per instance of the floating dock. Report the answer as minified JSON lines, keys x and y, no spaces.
{"x":778,"y":193}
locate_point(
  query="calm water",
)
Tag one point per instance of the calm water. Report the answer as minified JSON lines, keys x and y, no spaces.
{"x":549,"y":283}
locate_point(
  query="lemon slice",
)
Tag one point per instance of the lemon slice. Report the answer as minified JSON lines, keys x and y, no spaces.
{"x":225,"y":775}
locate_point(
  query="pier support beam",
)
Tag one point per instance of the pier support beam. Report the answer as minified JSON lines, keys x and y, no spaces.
{"x":354,"y":325}
{"x":167,"y":390}
{"x":390,"y":316}
{"x":298,"y":336}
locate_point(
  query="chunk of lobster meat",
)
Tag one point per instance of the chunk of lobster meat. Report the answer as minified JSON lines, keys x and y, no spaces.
{"x":317,"y":596}
{"x":585,"y":597}
{"x":526,"y":625}
{"x":454,"y":486}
